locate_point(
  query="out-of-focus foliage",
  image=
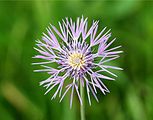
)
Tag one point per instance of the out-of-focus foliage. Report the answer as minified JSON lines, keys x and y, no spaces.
{"x":21,"y":23}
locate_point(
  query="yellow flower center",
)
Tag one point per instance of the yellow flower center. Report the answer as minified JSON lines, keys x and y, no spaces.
{"x":76,"y":60}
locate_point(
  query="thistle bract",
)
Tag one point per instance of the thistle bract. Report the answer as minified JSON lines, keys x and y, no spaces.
{"x":81,"y":55}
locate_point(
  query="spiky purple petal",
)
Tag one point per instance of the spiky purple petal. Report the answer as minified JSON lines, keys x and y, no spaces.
{"x":76,"y":57}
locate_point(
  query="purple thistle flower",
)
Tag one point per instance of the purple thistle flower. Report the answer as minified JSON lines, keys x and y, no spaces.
{"x":73,"y":48}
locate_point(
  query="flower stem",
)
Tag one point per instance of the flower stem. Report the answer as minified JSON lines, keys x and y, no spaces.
{"x":82,"y":112}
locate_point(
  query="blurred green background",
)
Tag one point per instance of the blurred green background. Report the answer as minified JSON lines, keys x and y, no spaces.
{"x":22,"y":22}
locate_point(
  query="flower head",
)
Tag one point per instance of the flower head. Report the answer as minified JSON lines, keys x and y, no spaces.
{"x":81,"y":55}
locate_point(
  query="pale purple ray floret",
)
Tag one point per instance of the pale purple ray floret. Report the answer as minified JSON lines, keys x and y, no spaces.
{"x":74,"y":56}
